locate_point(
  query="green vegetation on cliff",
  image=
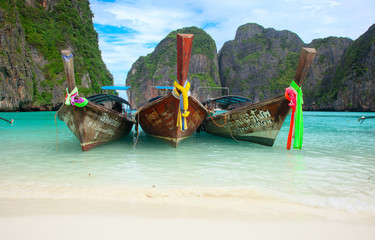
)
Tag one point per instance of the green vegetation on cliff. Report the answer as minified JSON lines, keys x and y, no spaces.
{"x":353,"y":65}
{"x":202,"y":43}
{"x":63,"y":24}
{"x":165,"y":54}
{"x":286,"y":72}
{"x":259,"y":63}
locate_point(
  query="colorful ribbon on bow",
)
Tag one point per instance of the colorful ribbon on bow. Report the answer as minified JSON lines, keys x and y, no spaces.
{"x":70,"y":98}
{"x":183,"y":112}
{"x":66,"y":58}
{"x":295,"y":96}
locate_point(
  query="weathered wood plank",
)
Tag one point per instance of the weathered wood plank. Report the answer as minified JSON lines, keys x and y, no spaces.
{"x":306,"y":58}
{"x":69,"y":69}
{"x":184,"y":46}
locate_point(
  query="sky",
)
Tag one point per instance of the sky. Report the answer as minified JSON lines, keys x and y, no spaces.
{"x":129,"y":29}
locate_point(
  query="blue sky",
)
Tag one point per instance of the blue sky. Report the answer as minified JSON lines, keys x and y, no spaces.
{"x":129,"y":29}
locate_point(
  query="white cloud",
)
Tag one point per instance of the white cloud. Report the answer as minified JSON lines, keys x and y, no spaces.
{"x":147,"y":22}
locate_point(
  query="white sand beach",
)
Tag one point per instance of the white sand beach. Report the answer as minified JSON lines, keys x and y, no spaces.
{"x":177,"y":218}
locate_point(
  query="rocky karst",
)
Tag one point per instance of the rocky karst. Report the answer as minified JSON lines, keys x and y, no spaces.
{"x":260,"y":63}
{"x":32,"y":34}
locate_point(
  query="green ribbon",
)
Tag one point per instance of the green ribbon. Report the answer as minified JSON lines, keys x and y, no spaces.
{"x":82,"y":104}
{"x":69,"y":95}
{"x":70,"y":98}
{"x":298,"y":127}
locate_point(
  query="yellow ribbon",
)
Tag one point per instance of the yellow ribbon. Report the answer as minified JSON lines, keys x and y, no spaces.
{"x":181,"y":117}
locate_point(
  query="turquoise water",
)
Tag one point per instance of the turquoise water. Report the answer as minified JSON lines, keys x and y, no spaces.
{"x":334,"y":169}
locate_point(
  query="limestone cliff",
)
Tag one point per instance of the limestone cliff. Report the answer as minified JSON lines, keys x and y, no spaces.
{"x":259,"y":63}
{"x":329,"y":54}
{"x":159,"y":67}
{"x":32,"y":34}
{"x":352,"y":86}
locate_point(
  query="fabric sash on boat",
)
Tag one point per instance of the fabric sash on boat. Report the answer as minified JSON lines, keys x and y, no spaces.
{"x":70,"y":98}
{"x":183,"y":112}
{"x":295,"y":96}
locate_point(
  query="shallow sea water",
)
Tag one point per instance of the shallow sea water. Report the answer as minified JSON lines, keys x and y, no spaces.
{"x":335,"y":168}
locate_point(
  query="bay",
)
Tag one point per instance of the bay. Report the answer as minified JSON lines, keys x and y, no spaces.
{"x":335,"y":168}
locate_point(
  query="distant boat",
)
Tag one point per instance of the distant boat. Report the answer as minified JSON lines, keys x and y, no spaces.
{"x":6,"y":120}
{"x":363,"y":118}
{"x":238,"y":118}
{"x":175,"y":116}
{"x":96,"y":120}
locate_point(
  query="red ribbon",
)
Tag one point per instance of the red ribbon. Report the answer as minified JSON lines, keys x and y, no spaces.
{"x":291,"y":95}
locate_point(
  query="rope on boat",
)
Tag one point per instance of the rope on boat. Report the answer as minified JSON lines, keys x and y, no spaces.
{"x":226,"y":117}
{"x":56,"y":131}
{"x":134,"y":134}
{"x":225,"y":121}
{"x":230,"y":130}
{"x":183,"y":112}
{"x":136,"y":128}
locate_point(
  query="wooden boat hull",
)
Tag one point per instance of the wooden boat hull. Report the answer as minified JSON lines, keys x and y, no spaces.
{"x":258,"y":123}
{"x":159,"y":118}
{"x":94,"y":125}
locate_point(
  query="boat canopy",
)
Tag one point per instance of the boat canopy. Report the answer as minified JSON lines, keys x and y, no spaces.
{"x":225,"y":101}
{"x":164,"y":87}
{"x":115,"y":87}
{"x":101,"y":98}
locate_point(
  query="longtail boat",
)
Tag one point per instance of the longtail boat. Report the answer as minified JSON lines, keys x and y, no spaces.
{"x":177,"y":115}
{"x":363,"y":118}
{"x":6,"y":120}
{"x":96,"y":120}
{"x":237,"y":117}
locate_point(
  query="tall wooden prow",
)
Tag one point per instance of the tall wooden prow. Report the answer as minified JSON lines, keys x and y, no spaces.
{"x":306,"y":58}
{"x":69,"y":69}
{"x":184,"y":46}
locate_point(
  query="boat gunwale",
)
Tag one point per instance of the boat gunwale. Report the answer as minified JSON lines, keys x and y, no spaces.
{"x":249,"y":106}
{"x":157,"y":101}
{"x":94,"y":105}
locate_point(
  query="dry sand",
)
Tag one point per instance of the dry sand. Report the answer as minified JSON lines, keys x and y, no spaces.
{"x":159,"y":218}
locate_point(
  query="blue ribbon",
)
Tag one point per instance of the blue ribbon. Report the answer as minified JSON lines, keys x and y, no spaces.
{"x":66,"y":58}
{"x":182,"y":110}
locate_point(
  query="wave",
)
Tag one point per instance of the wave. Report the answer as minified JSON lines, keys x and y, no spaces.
{"x":238,"y":198}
